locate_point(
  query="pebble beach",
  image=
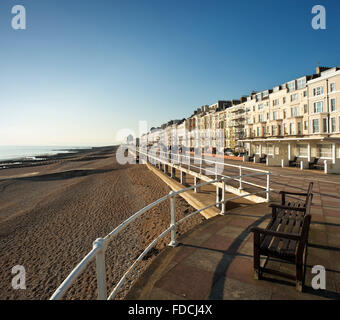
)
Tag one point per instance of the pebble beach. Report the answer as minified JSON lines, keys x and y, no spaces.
{"x":51,"y":213}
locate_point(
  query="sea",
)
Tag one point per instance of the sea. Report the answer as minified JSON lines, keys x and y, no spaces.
{"x":32,"y":152}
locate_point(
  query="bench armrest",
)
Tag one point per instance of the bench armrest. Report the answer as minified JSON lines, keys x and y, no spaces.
{"x":279,"y":206}
{"x":294,"y":193}
{"x":291,"y":236}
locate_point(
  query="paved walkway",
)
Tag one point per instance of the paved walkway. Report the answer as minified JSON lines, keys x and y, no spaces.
{"x":215,"y":260}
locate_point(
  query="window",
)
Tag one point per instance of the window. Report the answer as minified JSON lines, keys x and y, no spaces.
{"x":294,"y":97}
{"x":273,"y":130}
{"x":332,"y":87}
{"x":291,"y":86}
{"x":306,"y":125}
{"x":259,"y":97}
{"x":318,"y":107}
{"x":260,"y":107}
{"x":305,"y":108}
{"x":333,"y":124}
{"x":260,"y":117}
{"x":301,"y":83}
{"x":284,"y":100}
{"x":279,"y":130}
{"x":276,"y":115}
{"x":324,"y":125}
{"x":302,"y":150}
{"x":299,"y":128}
{"x":265,"y":93}
{"x":317,"y":91}
{"x":305,"y":93}
{"x":284,"y":114}
{"x":316,"y":126}
{"x":270,"y":149}
{"x":267,"y":115}
{"x":324,"y":150}
{"x":258,"y":131}
{"x":295,"y":112}
{"x":275,"y":102}
{"x":291,"y":129}
{"x":333,"y":105}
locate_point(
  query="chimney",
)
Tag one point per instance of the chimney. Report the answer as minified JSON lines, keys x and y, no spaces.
{"x":320,"y":69}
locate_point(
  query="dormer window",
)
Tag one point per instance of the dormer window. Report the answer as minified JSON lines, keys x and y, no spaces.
{"x":291,"y":86}
{"x":301,"y":83}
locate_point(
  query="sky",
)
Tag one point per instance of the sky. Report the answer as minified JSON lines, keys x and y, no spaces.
{"x":82,"y":71}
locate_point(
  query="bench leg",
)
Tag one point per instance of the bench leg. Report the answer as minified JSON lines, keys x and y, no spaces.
{"x":257,"y":271}
{"x":299,"y":277}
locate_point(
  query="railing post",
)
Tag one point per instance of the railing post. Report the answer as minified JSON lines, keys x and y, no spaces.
{"x":240,"y":180}
{"x":100,"y":268}
{"x":268,"y":186}
{"x":196,"y":182}
{"x":223,"y":197}
{"x":217,"y":195}
{"x":173,"y":242}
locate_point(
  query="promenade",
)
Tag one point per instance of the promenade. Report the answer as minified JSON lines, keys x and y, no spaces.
{"x":215,"y":259}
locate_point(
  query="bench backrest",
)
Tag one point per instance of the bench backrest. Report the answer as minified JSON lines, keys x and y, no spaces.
{"x":309,"y":198}
{"x":321,"y":162}
{"x":315,"y":161}
{"x":310,"y":188}
{"x":304,"y":236}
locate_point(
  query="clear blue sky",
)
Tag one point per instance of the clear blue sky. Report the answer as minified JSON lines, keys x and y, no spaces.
{"x":84,"y":69}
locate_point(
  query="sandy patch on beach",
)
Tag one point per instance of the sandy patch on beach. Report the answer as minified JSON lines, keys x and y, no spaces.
{"x":48,"y":222}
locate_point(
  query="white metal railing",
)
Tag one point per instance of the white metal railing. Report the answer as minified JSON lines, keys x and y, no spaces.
{"x":178,"y":159}
{"x":100,"y":245}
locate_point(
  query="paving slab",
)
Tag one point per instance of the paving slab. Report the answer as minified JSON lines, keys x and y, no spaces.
{"x":215,"y":259}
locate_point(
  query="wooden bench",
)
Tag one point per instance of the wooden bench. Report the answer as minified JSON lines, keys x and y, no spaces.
{"x":296,"y":162}
{"x":311,"y":164}
{"x":251,"y":158}
{"x":292,"y":163}
{"x":319,"y":164}
{"x":263,"y":159}
{"x":285,"y":237}
{"x":296,"y":202}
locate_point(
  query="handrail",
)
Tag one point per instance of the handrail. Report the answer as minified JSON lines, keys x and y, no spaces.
{"x":100,"y":245}
{"x":211,"y":161}
{"x":239,"y":178}
{"x":66,"y":284}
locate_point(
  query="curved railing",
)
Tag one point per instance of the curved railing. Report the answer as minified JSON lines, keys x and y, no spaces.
{"x":100,"y":245}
